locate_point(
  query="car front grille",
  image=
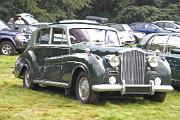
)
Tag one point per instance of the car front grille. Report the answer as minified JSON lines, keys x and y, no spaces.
{"x":27,"y":36}
{"x":133,"y":67}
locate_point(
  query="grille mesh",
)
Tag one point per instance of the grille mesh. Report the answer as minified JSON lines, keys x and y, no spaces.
{"x":133,"y":67}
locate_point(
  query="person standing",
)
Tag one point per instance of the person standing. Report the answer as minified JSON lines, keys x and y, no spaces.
{"x":11,"y":23}
{"x":19,"y":24}
{"x":19,"y":21}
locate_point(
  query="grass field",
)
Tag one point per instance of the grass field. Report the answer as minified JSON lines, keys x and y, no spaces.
{"x":18,"y":103}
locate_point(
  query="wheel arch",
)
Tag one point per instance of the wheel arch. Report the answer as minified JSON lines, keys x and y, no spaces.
{"x":7,"y":39}
{"x":75,"y":73}
{"x":22,"y":71}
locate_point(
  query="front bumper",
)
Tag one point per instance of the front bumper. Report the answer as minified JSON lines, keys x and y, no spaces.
{"x":21,"y":45}
{"x":133,"y":89}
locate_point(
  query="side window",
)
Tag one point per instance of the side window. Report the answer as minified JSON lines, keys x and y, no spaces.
{"x":169,"y":25}
{"x":150,"y":27}
{"x":58,"y":36}
{"x":157,"y":42}
{"x":44,"y":36}
{"x":173,"y":44}
{"x":160,"y":24}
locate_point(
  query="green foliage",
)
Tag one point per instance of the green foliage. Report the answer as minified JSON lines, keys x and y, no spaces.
{"x":122,"y":11}
{"x":144,"y":13}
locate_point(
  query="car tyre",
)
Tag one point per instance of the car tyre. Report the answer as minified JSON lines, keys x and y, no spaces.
{"x":7,"y":48}
{"x":158,"y":97}
{"x":27,"y":81}
{"x":83,"y":90}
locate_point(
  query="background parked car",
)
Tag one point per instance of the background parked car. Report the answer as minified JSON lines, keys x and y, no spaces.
{"x":169,"y":25}
{"x":147,"y":28}
{"x":126,"y":28}
{"x":11,"y":41}
{"x":169,"y":46}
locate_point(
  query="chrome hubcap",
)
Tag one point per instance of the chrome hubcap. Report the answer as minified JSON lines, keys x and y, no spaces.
{"x":27,"y":80}
{"x":6,"y":49}
{"x":83,"y":88}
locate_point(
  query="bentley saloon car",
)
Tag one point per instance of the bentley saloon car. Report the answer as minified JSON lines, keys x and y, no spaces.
{"x":169,"y":46}
{"x":85,"y":58}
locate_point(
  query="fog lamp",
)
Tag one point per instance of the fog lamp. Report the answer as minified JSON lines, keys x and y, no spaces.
{"x":112,"y":80}
{"x":157,"y":81}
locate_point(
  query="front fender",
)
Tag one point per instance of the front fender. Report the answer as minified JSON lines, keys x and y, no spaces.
{"x":164,"y":71}
{"x":92,"y":64}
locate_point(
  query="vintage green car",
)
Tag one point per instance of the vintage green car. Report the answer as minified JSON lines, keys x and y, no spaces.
{"x":85,"y":58}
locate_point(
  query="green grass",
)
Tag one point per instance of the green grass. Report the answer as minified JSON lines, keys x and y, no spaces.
{"x":18,"y":103}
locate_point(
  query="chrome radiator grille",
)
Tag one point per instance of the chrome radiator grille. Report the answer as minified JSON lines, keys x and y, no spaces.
{"x":133,"y":67}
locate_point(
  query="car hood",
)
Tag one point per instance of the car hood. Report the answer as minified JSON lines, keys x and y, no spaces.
{"x":102,"y":50}
{"x":11,"y":32}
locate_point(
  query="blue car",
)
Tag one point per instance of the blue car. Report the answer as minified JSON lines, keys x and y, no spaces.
{"x":147,"y":28}
{"x":12,"y":41}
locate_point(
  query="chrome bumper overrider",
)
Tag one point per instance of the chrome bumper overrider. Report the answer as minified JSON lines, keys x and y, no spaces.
{"x":122,"y":88}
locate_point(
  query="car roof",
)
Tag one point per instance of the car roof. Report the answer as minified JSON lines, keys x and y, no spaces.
{"x":81,"y":24}
{"x":147,"y":37}
{"x":23,"y":14}
{"x":164,"y":21}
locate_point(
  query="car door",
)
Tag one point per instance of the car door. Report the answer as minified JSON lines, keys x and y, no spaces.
{"x":58,"y":50}
{"x":40,"y":51}
{"x":173,"y":55}
{"x":156,"y":42}
{"x":166,"y":44}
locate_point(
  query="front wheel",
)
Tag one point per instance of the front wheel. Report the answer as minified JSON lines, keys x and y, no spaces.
{"x":83,"y":89}
{"x":157,"y":97}
{"x":7,"y":48}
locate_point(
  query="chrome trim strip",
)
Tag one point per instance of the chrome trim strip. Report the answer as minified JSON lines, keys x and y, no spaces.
{"x":50,"y":83}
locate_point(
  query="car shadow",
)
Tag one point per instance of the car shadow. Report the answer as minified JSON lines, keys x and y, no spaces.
{"x":104,"y":99}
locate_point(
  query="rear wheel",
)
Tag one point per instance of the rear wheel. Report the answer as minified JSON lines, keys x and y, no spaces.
{"x":27,"y":81}
{"x":7,"y":48}
{"x":157,"y":97}
{"x":83,"y":89}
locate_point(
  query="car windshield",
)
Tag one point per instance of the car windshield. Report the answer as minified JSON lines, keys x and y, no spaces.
{"x":119,"y":27}
{"x":30,"y":19}
{"x":3,"y":26}
{"x":127,"y":27}
{"x":78,"y":35}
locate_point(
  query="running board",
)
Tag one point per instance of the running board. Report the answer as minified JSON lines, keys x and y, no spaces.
{"x":50,"y":83}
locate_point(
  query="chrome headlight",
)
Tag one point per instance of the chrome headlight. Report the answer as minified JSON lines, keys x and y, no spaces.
{"x":20,"y":37}
{"x":113,"y":60}
{"x":153,"y":61}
